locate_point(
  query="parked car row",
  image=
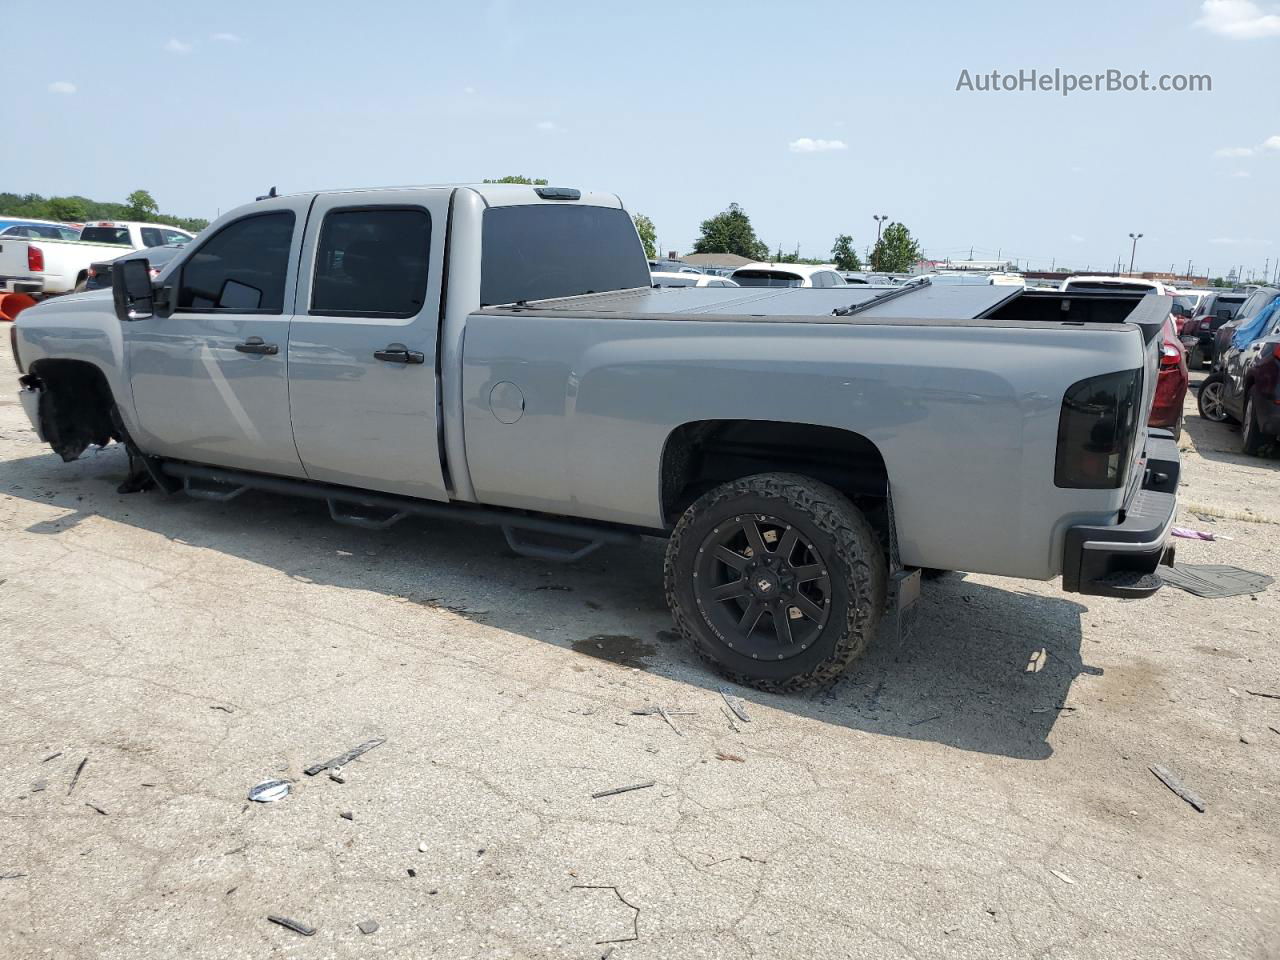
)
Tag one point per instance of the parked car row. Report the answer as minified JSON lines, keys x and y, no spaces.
{"x":1244,"y":387}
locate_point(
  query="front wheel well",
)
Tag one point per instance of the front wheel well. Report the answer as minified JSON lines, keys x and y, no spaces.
{"x":75,"y":405}
{"x":701,"y":455}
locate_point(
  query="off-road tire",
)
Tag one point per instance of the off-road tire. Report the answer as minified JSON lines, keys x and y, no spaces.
{"x":847,"y":544}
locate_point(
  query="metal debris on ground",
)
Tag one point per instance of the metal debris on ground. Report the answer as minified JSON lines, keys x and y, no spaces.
{"x":218,"y":706}
{"x":337,"y":776}
{"x":12,"y":876}
{"x":627,"y":789}
{"x":367,"y":926}
{"x":735,"y":704}
{"x":269,"y":791}
{"x":670,"y":723}
{"x":347,"y":815}
{"x":344,"y":759}
{"x":916,"y":723}
{"x":422,"y":846}
{"x":76,"y":778}
{"x":655,"y":711}
{"x":412,"y":872}
{"x":1061,"y":708}
{"x":635,"y":919}
{"x":1261,"y":693}
{"x":93,"y":806}
{"x":296,"y":926}
{"x":1177,"y":786}
{"x":1062,"y":876}
{"x":721,"y":755}
{"x":39,"y":786}
{"x":52,"y":756}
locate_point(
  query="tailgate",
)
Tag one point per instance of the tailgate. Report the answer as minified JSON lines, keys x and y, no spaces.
{"x":1149,"y":316}
{"x":13,"y":259}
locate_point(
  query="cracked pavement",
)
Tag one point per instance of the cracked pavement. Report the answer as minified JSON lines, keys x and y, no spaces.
{"x":928,"y":805}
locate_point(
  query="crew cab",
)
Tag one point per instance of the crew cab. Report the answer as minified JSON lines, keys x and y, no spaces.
{"x":496,"y":353}
{"x":52,"y":266}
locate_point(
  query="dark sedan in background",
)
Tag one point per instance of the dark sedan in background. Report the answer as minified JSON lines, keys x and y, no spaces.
{"x":99,"y":277}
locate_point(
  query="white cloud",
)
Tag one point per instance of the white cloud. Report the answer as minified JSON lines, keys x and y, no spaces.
{"x":1076,"y":238}
{"x":468,"y":90}
{"x":177,"y":46}
{"x":226,"y":38}
{"x":1233,"y":152}
{"x":549,"y":126}
{"x":62,"y":86}
{"x":809,"y":145}
{"x":1238,"y":19}
{"x":1241,"y":174}
{"x":1224,"y":241}
{"x":1271,"y":143}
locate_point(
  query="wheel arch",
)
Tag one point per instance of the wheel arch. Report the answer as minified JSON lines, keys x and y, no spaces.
{"x":76,"y":403}
{"x":702,"y":454}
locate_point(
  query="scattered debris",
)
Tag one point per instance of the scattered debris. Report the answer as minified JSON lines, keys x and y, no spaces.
{"x":92,"y":806}
{"x":743,"y":856}
{"x":39,"y":786}
{"x":347,"y":815}
{"x":367,"y":926}
{"x":617,"y":790}
{"x":345,"y":758}
{"x":1061,"y":708}
{"x":555,"y":586}
{"x":729,"y":716}
{"x":52,"y":756}
{"x":916,"y":723}
{"x":1214,"y":581}
{"x":76,"y":778}
{"x":1062,"y":876}
{"x":218,"y":706}
{"x":670,"y":723}
{"x":1260,"y":693}
{"x":1188,"y":534}
{"x":337,"y":776}
{"x":412,"y":872}
{"x":1177,"y":786}
{"x":240,"y":849}
{"x":295,"y":925}
{"x":655,"y":711}
{"x":721,"y":755}
{"x":735,"y":704}
{"x":1273,"y":730}
{"x":422,"y":846}
{"x":12,"y":876}
{"x":269,"y":791}
{"x":635,"y":920}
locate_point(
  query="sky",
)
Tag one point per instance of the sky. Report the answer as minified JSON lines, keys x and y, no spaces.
{"x":812,"y":116}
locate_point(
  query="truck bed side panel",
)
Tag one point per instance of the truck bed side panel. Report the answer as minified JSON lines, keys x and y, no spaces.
{"x":965,"y":417}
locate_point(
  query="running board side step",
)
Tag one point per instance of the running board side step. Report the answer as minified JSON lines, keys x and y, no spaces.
{"x":378,"y":511}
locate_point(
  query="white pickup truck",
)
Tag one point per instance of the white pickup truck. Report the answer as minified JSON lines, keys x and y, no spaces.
{"x":57,"y":266}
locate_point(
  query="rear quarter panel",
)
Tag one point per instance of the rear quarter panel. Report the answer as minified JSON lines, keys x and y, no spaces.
{"x":965,"y":417}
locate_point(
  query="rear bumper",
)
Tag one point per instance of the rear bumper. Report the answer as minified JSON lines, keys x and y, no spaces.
{"x":1121,"y":560}
{"x":21,"y":285}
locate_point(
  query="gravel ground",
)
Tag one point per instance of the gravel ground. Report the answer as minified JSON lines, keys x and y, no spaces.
{"x":980,"y":789}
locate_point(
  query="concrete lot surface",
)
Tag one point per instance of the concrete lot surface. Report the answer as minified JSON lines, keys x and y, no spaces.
{"x":980,"y":790}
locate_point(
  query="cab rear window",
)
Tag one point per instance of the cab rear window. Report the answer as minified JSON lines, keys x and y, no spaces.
{"x":767,"y":278}
{"x":118,"y":235}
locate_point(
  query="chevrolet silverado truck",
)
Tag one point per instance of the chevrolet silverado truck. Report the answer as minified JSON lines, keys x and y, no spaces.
{"x":496,"y":353}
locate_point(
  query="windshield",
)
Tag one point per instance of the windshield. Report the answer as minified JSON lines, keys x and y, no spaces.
{"x":545,"y":250}
{"x":767,"y":278}
{"x":119,"y":235}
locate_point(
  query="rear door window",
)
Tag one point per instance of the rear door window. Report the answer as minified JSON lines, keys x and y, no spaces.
{"x":152,"y":237}
{"x":241,"y":268}
{"x":372,"y":262}
{"x":547,"y":250}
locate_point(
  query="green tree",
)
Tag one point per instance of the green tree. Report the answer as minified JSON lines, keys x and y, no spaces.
{"x":896,"y":251}
{"x":71,"y":209}
{"x":648,"y":235}
{"x":843,"y":254}
{"x":731,"y":232}
{"x":517,"y":179}
{"x":142,"y":206}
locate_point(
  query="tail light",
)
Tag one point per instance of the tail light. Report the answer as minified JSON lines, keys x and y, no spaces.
{"x":35,"y":258}
{"x":1096,"y":431}
{"x":1205,"y":325}
{"x":1170,"y":358}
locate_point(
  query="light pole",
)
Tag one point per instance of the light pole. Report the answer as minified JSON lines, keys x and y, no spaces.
{"x":879,"y":218}
{"x":1134,"y":251}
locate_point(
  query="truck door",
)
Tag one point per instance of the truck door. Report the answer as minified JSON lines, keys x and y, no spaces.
{"x":209,"y":380}
{"x":362,"y":349}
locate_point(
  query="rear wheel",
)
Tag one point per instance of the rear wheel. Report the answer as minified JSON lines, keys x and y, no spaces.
{"x":1251,"y":438}
{"x":777,"y":579}
{"x":1211,"y":400}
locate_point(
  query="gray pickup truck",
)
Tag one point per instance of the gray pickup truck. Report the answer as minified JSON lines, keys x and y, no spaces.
{"x":497,"y":353}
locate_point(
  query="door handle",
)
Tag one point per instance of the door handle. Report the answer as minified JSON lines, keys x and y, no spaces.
{"x":255,"y":345}
{"x":399,"y":353}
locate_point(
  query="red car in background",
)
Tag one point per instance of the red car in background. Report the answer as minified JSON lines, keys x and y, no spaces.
{"x":1171,"y":387}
